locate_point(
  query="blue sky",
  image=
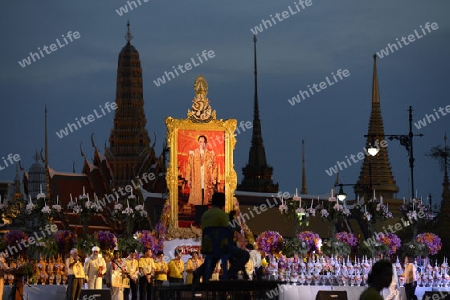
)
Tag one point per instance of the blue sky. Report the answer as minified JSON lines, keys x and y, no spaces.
{"x":296,"y":52}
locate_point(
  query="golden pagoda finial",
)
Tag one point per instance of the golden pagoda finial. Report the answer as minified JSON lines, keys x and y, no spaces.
{"x":128,"y":36}
{"x":201,"y":110}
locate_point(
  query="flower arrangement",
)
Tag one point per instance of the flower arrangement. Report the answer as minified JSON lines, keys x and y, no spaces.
{"x":347,"y":237}
{"x":65,"y":240}
{"x":312,"y":240}
{"x":392,"y":240}
{"x":147,"y":239}
{"x":106,"y":239}
{"x":414,"y":207}
{"x":377,"y":207}
{"x":270,"y":242}
{"x":13,"y":238}
{"x":161,"y":227}
{"x":432,"y":241}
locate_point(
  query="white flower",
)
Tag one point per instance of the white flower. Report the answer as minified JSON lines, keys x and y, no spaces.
{"x":312,"y":211}
{"x":139,"y":207}
{"x":57,"y":207}
{"x":46,"y":210}
{"x":40,"y":195}
{"x":367,"y":216}
{"x":300,"y":210}
{"x":118,"y":206}
{"x":337,"y":207}
{"x":324,"y":213}
{"x":143,"y":213}
{"x":332,"y":199}
{"x":131,"y":197}
{"x":30,"y":206}
{"x":128,"y":211}
{"x":77,"y":209}
{"x":88,"y":204}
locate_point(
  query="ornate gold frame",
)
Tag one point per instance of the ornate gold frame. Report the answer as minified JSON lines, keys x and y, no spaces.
{"x":199,"y":122}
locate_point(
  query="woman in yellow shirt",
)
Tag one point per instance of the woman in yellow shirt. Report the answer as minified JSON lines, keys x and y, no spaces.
{"x":192,"y":264}
{"x":176,"y":268}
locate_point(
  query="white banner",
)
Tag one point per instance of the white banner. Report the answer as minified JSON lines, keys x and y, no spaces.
{"x":186,"y":246}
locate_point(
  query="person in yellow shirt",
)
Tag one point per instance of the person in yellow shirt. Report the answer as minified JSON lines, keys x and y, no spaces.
{"x":191,"y":265}
{"x":146,"y":270}
{"x":410,"y":275}
{"x":132,"y":270}
{"x":160,"y":272}
{"x":176,"y":268}
{"x":75,"y":274}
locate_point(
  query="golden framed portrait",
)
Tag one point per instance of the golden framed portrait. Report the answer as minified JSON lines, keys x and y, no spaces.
{"x":201,"y":163}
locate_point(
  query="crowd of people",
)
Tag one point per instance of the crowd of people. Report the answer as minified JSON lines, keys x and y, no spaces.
{"x":133,"y":276}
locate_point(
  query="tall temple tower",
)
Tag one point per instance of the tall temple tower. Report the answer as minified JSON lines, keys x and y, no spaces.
{"x":129,"y":153}
{"x":376,"y":170}
{"x":257,"y":173}
{"x":36,"y":178}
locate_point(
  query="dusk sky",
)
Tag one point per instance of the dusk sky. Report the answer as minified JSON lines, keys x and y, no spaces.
{"x":308,"y":45}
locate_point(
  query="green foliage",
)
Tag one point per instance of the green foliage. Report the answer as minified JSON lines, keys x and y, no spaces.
{"x":372,"y":251}
{"x":46,"y":247}
{"x":414,"y":248}
{"x":85,"y":245}
{"x":293,"y":246}
{"x":335,"y":247}
{"x":129,"y":244}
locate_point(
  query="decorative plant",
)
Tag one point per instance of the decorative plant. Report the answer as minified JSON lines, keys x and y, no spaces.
{"x":270,"y":242}
{"x":431,"y":240}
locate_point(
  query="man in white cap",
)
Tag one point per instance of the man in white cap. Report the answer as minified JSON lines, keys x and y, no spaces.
{"x":95,"y":268}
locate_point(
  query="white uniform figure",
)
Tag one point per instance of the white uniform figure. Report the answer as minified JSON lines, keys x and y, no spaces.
{"x":95,"y":268}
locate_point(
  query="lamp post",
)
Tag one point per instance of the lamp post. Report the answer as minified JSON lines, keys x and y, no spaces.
{"x":407,"y":142}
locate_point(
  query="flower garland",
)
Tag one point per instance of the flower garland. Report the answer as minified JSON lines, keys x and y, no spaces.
{"x":432,"y":241}
{"x":312,"y":239}
{"x":270,"y":242}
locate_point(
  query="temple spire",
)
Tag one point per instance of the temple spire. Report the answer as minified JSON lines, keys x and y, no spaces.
{"x":128,"y":36}
{"x":375,"y":88}
{"x":304,"y":190}
{"x":257,"y":173}
{"x":255,"y":103}
{"x":376,"y":172}
{"x":129,"y":151}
